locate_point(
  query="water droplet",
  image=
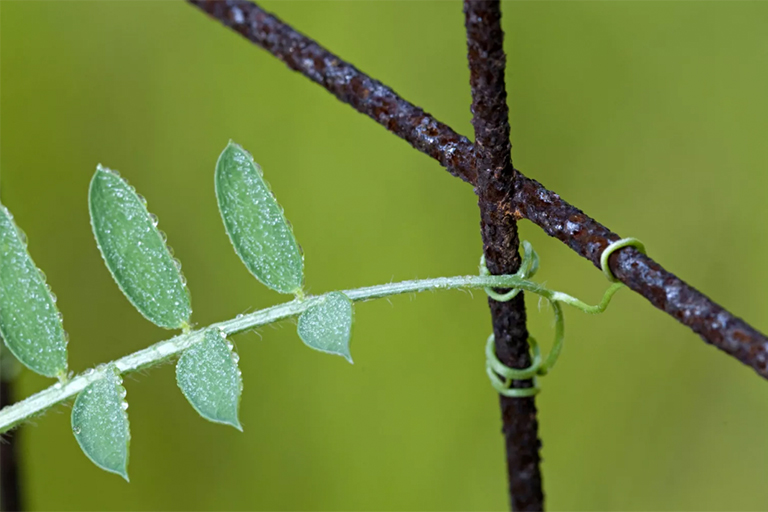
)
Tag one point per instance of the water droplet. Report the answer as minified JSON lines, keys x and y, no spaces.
{"x":237,"y":15}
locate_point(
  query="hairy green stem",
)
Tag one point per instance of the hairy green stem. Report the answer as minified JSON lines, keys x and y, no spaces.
{"x":159,"y":352}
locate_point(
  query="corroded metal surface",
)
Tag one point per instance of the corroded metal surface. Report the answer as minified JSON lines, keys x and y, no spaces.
{"x":498,"y":226}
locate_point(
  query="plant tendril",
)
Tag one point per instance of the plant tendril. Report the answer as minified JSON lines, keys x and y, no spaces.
{"x":501,"y":375}
{"x":613,"y":247}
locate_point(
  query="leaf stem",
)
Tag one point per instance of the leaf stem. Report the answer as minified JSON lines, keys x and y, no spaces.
{"x":19,"y":412}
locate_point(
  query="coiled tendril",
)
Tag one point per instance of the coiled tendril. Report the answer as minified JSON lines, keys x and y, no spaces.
{"x":501,"y":375}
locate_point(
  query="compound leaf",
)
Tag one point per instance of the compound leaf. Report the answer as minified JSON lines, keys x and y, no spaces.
{"x":29,"y":321}
{"x":208,"y":376}
{"x":135,"y":251}
{"x":100,"y":422}
{"x":327,"y":325}
{"x":255,"y":223}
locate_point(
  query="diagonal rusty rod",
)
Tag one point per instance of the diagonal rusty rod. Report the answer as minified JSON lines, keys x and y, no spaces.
{"x":349,"y":85}
{"x":498,"y":226}
{"x":531,"y":200}
{"x":666,"y":291}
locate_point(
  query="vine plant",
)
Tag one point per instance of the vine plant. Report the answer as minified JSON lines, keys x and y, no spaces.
{"x":505,"y":196}
{"x":136,"y":254}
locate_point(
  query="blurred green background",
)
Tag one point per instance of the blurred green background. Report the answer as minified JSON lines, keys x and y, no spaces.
{"x":650,"y":116}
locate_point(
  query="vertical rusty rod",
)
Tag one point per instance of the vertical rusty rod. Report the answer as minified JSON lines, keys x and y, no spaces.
{"x":495,"y":189}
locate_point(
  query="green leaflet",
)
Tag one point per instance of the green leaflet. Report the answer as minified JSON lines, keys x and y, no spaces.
{"x":327,"y":326}
{"x":135,"y":251}
{"x":29,"y":320}
{"x":100,"y":422}
{"x":208,"y":376}
{"x":255,"y":223}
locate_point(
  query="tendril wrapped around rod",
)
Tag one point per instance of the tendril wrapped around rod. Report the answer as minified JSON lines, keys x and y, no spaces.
{"x":501,"y":375}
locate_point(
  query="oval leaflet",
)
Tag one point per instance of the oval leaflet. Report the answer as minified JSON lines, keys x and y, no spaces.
{"x":255,"y":222}
{"x":208,"y":375}
{"x":135,"y":251}
{"x":30,"y":323}
{"x":100,"y":422}
{"x":327,"y":326}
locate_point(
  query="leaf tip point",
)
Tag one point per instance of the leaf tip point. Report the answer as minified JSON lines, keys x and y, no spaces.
{"x":102,"y":168}
{"x":233,"y":144}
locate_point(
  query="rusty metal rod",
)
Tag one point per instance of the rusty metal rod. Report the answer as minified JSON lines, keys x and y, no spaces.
{"x":531,"y":200}
{"x":498,"y":226}
{"x":666,"y":291}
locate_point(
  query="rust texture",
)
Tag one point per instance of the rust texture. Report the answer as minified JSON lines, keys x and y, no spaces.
{"x":494,"y":188}
{"x":347,"y":83}
{"x":581,"y":233}
{"x":666,"y":291}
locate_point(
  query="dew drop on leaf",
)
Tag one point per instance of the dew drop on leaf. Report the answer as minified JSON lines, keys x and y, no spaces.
{"x":327,"y":325}
{"x":30,"y":323}
{"x":100,"y":423}
{"x":255,"y":222}
{"x":135,"y":251}
{"x":208,"y":376}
